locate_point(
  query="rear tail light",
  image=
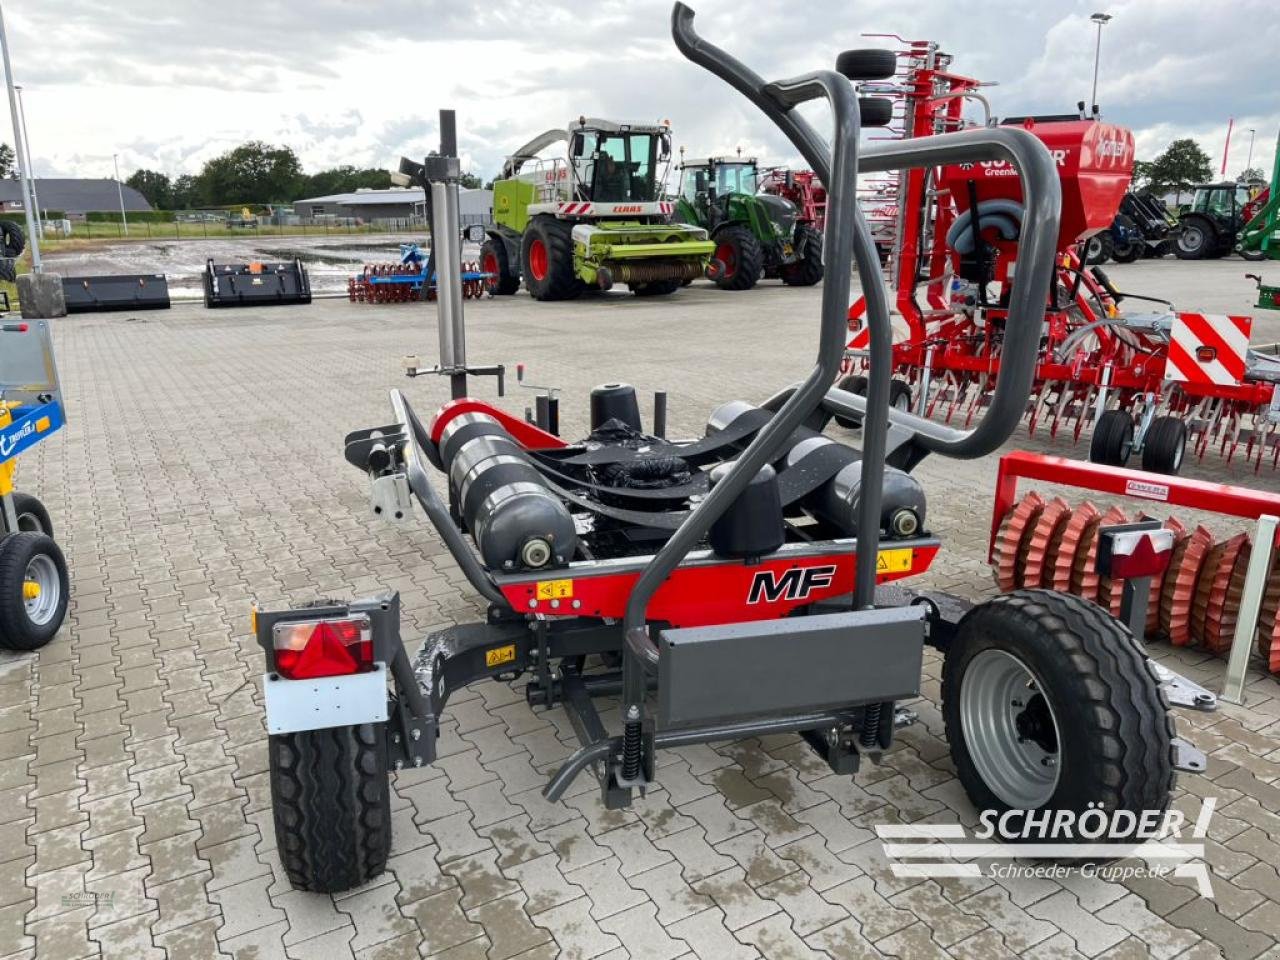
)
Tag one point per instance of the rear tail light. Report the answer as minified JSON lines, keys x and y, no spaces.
{"x":306,"y":649}
{"x":1127,"y":554}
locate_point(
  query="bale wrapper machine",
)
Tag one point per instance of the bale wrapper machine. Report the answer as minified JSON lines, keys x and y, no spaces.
{"x":1150,"y":380}
{"x":724,"y":587}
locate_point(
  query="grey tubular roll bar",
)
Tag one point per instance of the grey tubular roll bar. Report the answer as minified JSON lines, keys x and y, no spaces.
{"x":838,"y":246}
{"x":436,"y":511}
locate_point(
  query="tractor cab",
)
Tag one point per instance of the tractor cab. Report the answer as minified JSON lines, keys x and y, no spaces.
{"x":1208,"y":226}
{"x":710,"y":187}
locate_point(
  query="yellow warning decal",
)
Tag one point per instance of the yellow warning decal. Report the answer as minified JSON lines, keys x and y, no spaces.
{"x":555,"y":589}
{"x":895,"y":561}
{"x":42,"y":424}
{"x":500,"y":655}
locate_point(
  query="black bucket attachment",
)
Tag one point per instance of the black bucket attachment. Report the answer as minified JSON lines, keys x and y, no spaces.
{"x":133,"y":291}
{"x":255,"y":284}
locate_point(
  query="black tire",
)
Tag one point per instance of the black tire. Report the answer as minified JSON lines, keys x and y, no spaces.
{"x":739,"y":251}
{"x":1162,"y":249}
{"x":870,"y":64}
{"x":1109,"y":724}
{"x":899,"y":395}
{"x":546,"y":260}
{"x":8,"y":270}
{"x":1112,"y":439}
{"x":655,"y":288}
{"x":806,"y":271}
{"x":32,"y":515}
{"x":12,"y":240}
{"x":1253,"y":256}
{"x":856,"y":384}
{"x":1099,"y":247}
{"x":493,"y":259}
{"x":1164,"y":446}
{"x":332,"y":803}
{"x":1196,"y":239}
{"x":1135,"y":247}
{"x":28,"y":623}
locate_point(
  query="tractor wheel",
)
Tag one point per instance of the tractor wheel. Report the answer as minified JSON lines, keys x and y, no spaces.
{"x":12,"y":240}
{"x":739,"y":250}
{"x":1099,"y":247}
{"x":1131,"y":249}
{"x":1050,"y":704}
{"x":806,"y":271}
{"x":1162,"y":249}
{"x":34,"y":589}
{"x":1112,"y":439}
{"x":332,"y":803}
{"x":493,"y":259}
{"x":1195,"y":240}
{"x":655,"y":288}
{"x":32,"y":515}
{"x":547,"y":260}
{"x":856,"y":384}
{"x":1164,"y":446}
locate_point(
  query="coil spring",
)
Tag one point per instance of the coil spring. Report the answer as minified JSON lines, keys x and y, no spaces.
{"x":631,"y":751}
{"x":656,"y":270}
{"x":870,"y":735}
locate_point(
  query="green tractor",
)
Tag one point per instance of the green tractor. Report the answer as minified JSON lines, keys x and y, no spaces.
{"x":756,"y":234}
{"x":593,"y":219}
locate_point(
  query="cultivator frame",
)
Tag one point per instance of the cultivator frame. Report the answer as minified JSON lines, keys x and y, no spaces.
{"x":411,"y":280}
{"x":1203,"y":389}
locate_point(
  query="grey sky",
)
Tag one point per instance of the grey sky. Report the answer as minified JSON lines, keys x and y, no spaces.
{"x":170,"y":84}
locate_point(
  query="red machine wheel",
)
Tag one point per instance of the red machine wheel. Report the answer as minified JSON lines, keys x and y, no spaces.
{"x":739,"y":250}
{"x":493,"y":260}
{"x":538,"y":259}
{"x":547,"y":255}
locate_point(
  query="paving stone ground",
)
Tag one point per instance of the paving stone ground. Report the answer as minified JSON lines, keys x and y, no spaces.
{"x":201,"y":470}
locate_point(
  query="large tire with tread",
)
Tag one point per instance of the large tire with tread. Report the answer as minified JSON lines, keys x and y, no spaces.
{"x":493,"y":259}
{"x":31,"y":561}
{"x":32,"y":515}
{"x":1134,"y":248}
{"x":806,"y":271}
{"x":332,"y":805}
{"x":1112,"y":440}
{"x":740,"y":252}
{"x":1098,"y":248}
{"x":1164,"y":446}
{"x":1196,"y":239}
{"x":1108,"y":730}
{"x":12,"y":240}
{"x":546,"y":259}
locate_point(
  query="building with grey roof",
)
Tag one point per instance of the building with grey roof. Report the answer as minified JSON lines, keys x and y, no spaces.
{"x":396,"y":203}
{"x":73,"y":196}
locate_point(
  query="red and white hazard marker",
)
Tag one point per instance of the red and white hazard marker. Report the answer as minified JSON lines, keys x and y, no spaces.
{"x":1208,"y":349}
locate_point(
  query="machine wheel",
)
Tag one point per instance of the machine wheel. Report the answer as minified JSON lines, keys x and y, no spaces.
{"x":856,"y":384}
{"x":332,"y":804}
{"x":1164,"y":446}
{"x":547,"y":260}
{"x":1253,"y":256}
{"x":493,"y":259}
{"x":808,"y":270}
{"x":1134,"y":248}
{"x":1099,"y":247}
{"x":1112,"y":439}
{"x":900,"y":395}
{"x":12,"y":240}
{"x":8,"y":270}
{"x":1050,"y":703}
{"x":1195,"y":240}
{"x":656,"y":288}
{"x":34,"y":589}
{"x":1161,"y":249}
{"x":32,"y":516}
{"x":739,"y":250}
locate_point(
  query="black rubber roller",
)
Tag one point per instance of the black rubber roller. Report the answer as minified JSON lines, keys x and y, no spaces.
{"x":875,"y":111}
{"x":867,"y":64}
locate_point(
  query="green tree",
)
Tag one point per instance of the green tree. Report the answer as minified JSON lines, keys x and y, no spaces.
{"x":154,"y":186}
{"x":253,"y":172}
{"x":470,"y":181}
{"x":1141,"y":173}
{"x":1182,"y":165}
{"x":185,"y":193}
{"x":7,"y":170}
{"x":342,"y":179}
{"x":1250,"y":174}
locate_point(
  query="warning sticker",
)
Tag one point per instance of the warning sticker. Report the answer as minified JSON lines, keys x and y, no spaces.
{"x":500,"y":655}
{"x":555,"y":589}
{"x":895,"y":561}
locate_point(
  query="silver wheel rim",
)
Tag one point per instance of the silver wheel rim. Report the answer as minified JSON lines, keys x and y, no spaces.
{"x":1190,"y":238}
{"x":1000,"y":702}
{"x":1093,"y":250}
{"x":41,"y":608}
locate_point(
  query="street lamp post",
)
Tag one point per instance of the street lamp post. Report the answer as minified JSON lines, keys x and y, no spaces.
{"x":28,"y":202}
{"x":115,"y":158}
{"x":1248,"y":165}
{"x":31,"y":167}
{"x":1101,"y":20}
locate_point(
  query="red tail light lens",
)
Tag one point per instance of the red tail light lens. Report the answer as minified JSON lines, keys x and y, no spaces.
{"x":306,"y":649}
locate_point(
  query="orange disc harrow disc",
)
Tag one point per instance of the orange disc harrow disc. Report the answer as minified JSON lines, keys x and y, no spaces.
{"x":1223,"y":609}
{"x":1269,"y":623}
{"x":1084,"y":572}
{"x":1015,"y":527}
{"x":1037,"y":566}
{"x":1072,"y":534}
{"x":1180,"y":536}
{"x":1177,"y":593}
